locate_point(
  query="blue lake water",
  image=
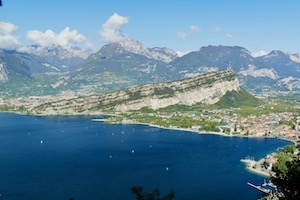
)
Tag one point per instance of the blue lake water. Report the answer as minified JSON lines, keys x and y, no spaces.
{"x":62,"y":157}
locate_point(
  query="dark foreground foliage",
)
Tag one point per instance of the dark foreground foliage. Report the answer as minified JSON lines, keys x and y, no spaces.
{"x":287,"y":180}
{"x":154,"y":195}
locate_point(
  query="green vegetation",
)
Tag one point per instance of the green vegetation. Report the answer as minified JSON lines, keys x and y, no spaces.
{"x":269,"y":106}
{"x":287,"y":174}
{"x":288,"y":180}
{"x":171,"y":121}
{"x":6,"y":108}
{"x":280,"y":165}
{"x":237,"y":99}
{"x":134,"y":95}
{"x":154,"y":195}
{"x":164,"y":91}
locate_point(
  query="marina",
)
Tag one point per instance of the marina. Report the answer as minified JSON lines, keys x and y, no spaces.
{"x":259,"y":188}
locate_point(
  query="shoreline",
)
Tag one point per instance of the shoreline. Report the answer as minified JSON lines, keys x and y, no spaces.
{"x":97,"y":113}
{"x":250,"y":164}
{"x":147,"y":124}
{"x":204,"y":132}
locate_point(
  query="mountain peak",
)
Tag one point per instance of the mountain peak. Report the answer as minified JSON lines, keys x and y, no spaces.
{"x":133,"y":46}
{"x":276,"y":54}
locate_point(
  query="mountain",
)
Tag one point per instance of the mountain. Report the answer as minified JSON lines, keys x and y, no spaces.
{"x":49,"y":59}
{"x":127,"y":59}
{"x":162,"y":54}
{"x":204,"y":89}
{"x":129,"y":63}
{"x":211,"y":58}
{"x":126,"y":48}
{"x":269,"y":71}
{"x":13,"y":70}
{"x":281,"y":62}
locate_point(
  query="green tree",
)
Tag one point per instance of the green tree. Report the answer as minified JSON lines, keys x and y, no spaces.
{"x":154,"y":195}
{"x":288,"y":180}
{"x":289,"y":149}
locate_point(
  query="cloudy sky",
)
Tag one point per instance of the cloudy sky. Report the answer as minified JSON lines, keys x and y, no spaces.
{"x":258,"y":25}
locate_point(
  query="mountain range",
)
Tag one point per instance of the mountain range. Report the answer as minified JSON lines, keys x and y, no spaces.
{"x":129,"y":63}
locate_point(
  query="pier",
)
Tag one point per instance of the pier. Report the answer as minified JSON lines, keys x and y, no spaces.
{"x":259,"y":188}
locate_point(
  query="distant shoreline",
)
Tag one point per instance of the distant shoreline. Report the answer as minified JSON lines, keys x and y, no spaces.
{"x":249,"y":162}
{"x":148,"y":124}
{"x":201,"y":132}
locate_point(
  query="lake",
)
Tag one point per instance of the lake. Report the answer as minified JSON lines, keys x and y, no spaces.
{"x":62,"y":157}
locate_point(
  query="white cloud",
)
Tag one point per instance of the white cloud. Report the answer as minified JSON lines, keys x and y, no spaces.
{"x":182,"y":35}
{"x":8,"y":39}
{"x":229,"y":36}
{"x":194,"y":29}
{"x":7,"y":28}
{"x":217,"y":29}
{"x":260,"y":53}
{"x":111,"y":29}
{"x":66,"y":38}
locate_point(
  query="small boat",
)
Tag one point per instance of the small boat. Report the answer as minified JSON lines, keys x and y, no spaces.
{"x":265,"y":183}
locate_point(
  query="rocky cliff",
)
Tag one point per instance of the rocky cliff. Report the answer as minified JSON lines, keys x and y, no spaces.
{"x":207,"y":89}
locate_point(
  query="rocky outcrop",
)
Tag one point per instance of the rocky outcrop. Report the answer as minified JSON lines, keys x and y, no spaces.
{"x":3,"y":73}
{"x":13,"y":69}
{"x":207,"y":88}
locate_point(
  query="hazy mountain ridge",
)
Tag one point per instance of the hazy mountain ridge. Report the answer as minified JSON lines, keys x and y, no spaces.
{"x":49,"y":59}
{"x":128,"y":63}
{"x":269,"y":69}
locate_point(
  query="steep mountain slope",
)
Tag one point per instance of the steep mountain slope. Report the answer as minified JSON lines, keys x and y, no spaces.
{"x":208,"y":89}
{"x":13,"y":70}
{"x":49,"y":59}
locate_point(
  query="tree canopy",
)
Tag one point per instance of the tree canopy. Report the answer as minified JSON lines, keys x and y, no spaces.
{"x":154,"y":195}
{"x":287,"y":180}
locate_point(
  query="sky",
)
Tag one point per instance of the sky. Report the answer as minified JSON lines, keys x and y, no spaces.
{"x":182,"y":25}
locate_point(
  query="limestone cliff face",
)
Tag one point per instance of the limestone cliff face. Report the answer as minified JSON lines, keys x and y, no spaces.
{"x":207,"y":88}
